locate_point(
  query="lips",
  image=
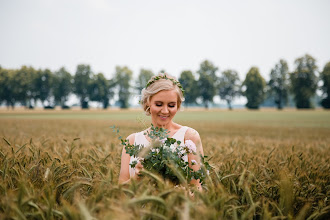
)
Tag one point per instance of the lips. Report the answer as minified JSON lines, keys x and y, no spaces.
{"x":163,"y":117}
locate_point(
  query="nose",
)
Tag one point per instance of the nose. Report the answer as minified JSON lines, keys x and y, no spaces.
{"x":164,"y":109}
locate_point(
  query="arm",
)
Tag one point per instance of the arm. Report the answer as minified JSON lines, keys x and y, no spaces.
{"x":124,"y":176}
{"x":193,"y":135}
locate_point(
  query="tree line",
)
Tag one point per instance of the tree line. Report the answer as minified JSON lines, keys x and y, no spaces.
{"x":28,"y":85}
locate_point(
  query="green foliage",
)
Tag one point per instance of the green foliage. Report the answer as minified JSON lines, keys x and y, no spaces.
{"x":165,"y":156}
{"x":82,"y":81}
{"x":143,"y":78}
{"x":325,"y":77}
{"x":43,"y":83}
{"x":207,"y":82}
{"x":304,"y":81}
{"x":123,"y":77}
{"x":188,"y":82}
{"x":100,"y":90}
{"x":7,"y":84}
{"x":229,"y":86}
{"x":62,"y":86}
{"x":279,"y":83}
{"x":25,"y":87}
{"x":255,"y":88}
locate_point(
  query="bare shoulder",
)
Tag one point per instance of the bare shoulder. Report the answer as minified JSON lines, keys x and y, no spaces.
{"x":131,"y":138}
{"x":193,"y":135}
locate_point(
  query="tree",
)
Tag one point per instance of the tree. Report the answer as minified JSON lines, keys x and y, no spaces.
{"x":6,"y":87}
{"x":325,"y":77}
{"x":279,"y":83}
{"x":143,"y":79}
{"x":62,"y":86}
{"x":304,"y":81}
{"x":189,"y":84}
{"x":207,"y":82}
{"x":24,"y":88}
{"x":43,"y":85}
{"x":229,"y":86}
{"x":82,"y":81}
{"x":255,"y":88}
{"x":123,"y":78}
{"x":4,"y":80}
{"x":100,"y":90}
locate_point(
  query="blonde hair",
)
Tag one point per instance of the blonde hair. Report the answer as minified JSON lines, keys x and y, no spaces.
{"x":157,"y":85}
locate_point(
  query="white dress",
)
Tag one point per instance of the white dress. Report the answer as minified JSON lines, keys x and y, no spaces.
{"x":140,"y":139}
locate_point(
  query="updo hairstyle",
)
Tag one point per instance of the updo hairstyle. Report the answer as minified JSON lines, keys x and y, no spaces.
{"x":157,"y":86}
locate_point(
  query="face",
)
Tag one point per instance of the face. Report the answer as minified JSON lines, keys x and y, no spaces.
{"x":163,"y":107}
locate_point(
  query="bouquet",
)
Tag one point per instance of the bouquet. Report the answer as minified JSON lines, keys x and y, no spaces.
{"x":167,"y":157}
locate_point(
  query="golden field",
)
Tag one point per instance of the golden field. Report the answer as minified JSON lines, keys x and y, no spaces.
{"x":267,"y":164}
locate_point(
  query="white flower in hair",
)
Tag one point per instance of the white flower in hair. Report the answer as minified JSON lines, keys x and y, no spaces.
{"x":191,"y":146}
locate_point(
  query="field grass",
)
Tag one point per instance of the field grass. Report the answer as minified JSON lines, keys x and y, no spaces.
{"x":64,"y":165}
{"x":317,"y":118}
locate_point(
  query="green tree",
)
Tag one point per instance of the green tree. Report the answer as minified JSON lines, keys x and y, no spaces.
{"x":122,"y":79}
{"x":100,"y":90}
{"x":229,"y":86}
{"x":255,"y":88}
{"x":325,"y":77}
{"x":304,"y":81}
{"x":81,"y":85}
{"x":62,"y":86}
{"x":43,"y":85}
{"x":207,"y":82}
{"x":6,"y":87}
{"x":143,"y":79}
{"x":13,"y":87}
{"x":279,"y":83}
{"x":25,"y":89}
{"x":189,"y":84}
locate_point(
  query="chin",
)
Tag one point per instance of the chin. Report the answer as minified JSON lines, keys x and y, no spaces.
{"x":162,"y":123}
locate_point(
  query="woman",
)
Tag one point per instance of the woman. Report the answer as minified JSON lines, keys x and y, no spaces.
{"x":161,"y":99}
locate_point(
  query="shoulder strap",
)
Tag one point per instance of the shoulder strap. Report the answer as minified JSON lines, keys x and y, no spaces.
{"x":179,"y":135}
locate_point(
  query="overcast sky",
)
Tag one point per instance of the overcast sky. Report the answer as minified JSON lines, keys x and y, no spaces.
{"x":174,"y":35}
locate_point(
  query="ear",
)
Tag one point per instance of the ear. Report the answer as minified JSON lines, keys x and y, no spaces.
{"x":179,"y":104}
{"x":148,"y":109}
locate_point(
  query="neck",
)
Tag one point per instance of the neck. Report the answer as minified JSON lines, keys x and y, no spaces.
{"x":167,"y":126}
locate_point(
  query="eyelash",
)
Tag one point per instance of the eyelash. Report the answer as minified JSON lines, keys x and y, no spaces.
{"x":159,"y":105}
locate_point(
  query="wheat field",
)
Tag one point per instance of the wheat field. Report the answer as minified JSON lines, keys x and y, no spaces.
{"x":267,"y":164}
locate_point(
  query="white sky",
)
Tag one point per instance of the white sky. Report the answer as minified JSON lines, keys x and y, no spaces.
{"x":174,"y":35}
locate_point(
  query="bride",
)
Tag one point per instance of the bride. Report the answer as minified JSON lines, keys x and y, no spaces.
{"x":161,"y":99}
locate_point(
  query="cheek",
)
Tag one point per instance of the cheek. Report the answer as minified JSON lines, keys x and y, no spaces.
{"x":154,"y":109}
{"x":174,"y":110}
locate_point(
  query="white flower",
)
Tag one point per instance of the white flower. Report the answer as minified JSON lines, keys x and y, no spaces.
{"x":180,"y":150}
{"x":191,"y":146}
{"x":193,"y":162}
{"x":172,"y":147}
{"x":155,"y":150}
{"x":208,"y":172}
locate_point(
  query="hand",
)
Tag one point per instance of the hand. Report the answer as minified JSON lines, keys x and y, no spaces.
{"x":138,"y":168}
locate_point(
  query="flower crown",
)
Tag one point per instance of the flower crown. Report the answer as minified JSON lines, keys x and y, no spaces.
{"x":175,"y":82}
